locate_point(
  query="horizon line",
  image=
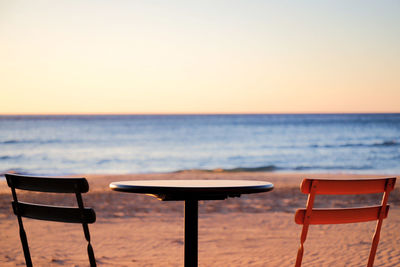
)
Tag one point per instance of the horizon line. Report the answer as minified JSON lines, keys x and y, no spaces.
{"x":190,"y":113}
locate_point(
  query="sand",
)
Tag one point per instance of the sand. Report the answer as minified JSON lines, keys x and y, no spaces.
{"x":254,"y":230}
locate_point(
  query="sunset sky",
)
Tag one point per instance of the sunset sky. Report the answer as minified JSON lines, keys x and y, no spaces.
{"x":69,"y":57}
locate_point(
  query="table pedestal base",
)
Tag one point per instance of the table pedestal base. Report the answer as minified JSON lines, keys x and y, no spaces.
{"x":191,"y":232}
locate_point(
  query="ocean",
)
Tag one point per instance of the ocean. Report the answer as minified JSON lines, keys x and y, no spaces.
{"x":121,"y":144}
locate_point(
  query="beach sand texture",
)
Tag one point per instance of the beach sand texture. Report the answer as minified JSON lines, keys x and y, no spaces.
{"x":254,"y":230}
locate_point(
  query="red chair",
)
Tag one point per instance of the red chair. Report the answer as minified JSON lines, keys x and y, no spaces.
{"x":309,"y":215}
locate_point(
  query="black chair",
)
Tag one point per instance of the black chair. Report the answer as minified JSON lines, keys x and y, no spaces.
{"x":51,"y":213}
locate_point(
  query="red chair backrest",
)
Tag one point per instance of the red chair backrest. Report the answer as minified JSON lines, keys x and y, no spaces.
{"x":314,"y":187}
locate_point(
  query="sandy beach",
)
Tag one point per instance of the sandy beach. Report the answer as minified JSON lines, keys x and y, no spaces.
{"x":254,"y":230}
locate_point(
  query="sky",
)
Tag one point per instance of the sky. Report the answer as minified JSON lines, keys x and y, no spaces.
{"x":162,"y":57}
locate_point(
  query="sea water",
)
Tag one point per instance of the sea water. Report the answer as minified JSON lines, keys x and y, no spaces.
{"x":330,"y":143}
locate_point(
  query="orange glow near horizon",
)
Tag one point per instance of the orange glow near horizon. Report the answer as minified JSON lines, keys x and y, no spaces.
{"x":198,"y":58}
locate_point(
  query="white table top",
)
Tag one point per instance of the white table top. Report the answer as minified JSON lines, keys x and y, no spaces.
{"x":192,"y":189}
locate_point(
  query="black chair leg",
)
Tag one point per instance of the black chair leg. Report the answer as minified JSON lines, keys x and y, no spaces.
{"x":24,"y":242}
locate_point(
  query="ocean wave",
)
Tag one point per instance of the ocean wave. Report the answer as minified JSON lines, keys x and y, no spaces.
{"x":103,"y":161}
{"x":388,"y":143}
{"x":6,"y":157}
{"x":267,"y":168}
{"x":328,"y":168}
{"x":13,"y":141}
{"x":10,"y":142}
{"x":377,"y":144}
{"x":271,"y":168}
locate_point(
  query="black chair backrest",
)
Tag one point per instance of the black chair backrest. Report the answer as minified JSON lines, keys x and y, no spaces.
{"x":78,"y":214}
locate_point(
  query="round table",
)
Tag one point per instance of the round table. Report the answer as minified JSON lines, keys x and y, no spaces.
{"x":191,"y":191}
